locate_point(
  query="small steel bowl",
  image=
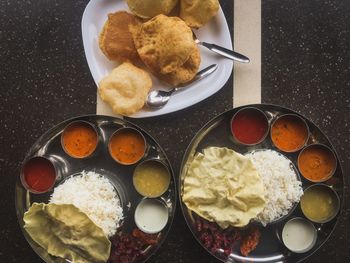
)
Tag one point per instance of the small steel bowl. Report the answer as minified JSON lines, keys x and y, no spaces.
{"x":297,"y":118}
{"x":324,"y":147}
{"x":153,"y":160}
{"x":22,"y":174}
{"x":146,"y":224}
{"x":256,"y":111}
{"x":311,"y":229}
{"x":72,"y":125}
{"x":333,"y":195}
{"x":120,"y":131}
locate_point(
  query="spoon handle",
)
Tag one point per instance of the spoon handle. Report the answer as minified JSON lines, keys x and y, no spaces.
{"x":226,"y":52}
{"x":205,"y":72}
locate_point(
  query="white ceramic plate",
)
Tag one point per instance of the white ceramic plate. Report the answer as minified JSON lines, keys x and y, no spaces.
{"x":216,"y":31}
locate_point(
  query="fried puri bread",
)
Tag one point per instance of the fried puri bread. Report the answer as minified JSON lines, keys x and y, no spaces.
{"x":125,"y":89}
{"x":116,"y":40}
{"x":197,"y":13}
{"x":150,"y":8}
{"x":164,"y":43}
{"x":184,"y":73}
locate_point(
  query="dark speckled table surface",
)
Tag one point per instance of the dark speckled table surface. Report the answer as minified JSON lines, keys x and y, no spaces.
{"x":44,"y":79}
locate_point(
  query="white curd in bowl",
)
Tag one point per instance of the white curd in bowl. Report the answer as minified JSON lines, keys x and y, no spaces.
{"x":151,"y":215}
{"x":299,"y":235}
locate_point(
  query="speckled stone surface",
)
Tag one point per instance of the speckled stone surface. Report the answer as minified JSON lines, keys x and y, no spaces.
{"x":305,"y":67}
{"x":44,"y":79}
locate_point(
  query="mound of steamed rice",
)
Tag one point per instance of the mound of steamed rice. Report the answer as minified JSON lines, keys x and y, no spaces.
{"x":282,"y":187}
{"x":94,"y":195}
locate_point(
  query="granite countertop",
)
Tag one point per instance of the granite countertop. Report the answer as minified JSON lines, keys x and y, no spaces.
{"x":44,"y":79}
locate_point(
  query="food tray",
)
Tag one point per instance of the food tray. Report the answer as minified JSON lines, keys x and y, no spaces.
{"x":217,"y":132}
{"x":120,"y":176}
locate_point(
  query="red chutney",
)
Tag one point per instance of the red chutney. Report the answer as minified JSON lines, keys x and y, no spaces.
{"x":249,"y":126}
{"x":39,"y":175}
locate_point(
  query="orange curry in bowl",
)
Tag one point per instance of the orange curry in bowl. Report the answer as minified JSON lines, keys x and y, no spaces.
{"x":79,"y":139}
{"x":127,"y":146}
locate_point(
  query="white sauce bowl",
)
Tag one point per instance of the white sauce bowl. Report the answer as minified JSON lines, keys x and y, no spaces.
{"x":151,"y":215}
{"x":299,"y":235}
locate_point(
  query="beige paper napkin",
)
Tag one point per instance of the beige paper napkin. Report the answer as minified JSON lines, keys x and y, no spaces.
{"x":247,"y":41}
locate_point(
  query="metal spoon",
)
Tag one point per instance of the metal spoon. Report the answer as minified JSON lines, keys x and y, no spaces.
{"x":222,"y":51}
{"x":158,"y":98}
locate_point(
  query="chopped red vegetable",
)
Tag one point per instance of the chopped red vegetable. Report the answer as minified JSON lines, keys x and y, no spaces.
{"x":148,"y":239}
{"x":215,"y":239}
{"x":250,"y":241}
{"x":127,"y":248}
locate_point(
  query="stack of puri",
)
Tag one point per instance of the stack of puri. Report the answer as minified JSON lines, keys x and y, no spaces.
{"x":195,"y":13}
{"x":125,"y":89}
{"x":166,"y":46}
{"x":147,"y":40}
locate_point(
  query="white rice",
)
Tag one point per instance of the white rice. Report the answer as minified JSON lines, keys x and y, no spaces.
{"x":94,"y":195}
{"x":282,"y":187}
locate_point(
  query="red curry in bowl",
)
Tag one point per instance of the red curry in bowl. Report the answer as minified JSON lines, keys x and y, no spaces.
{"x":249,"y":126}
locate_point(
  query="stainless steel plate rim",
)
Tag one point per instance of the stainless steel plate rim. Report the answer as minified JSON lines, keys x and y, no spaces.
{"x":203,"y":131}
{"x":102,"y":120}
